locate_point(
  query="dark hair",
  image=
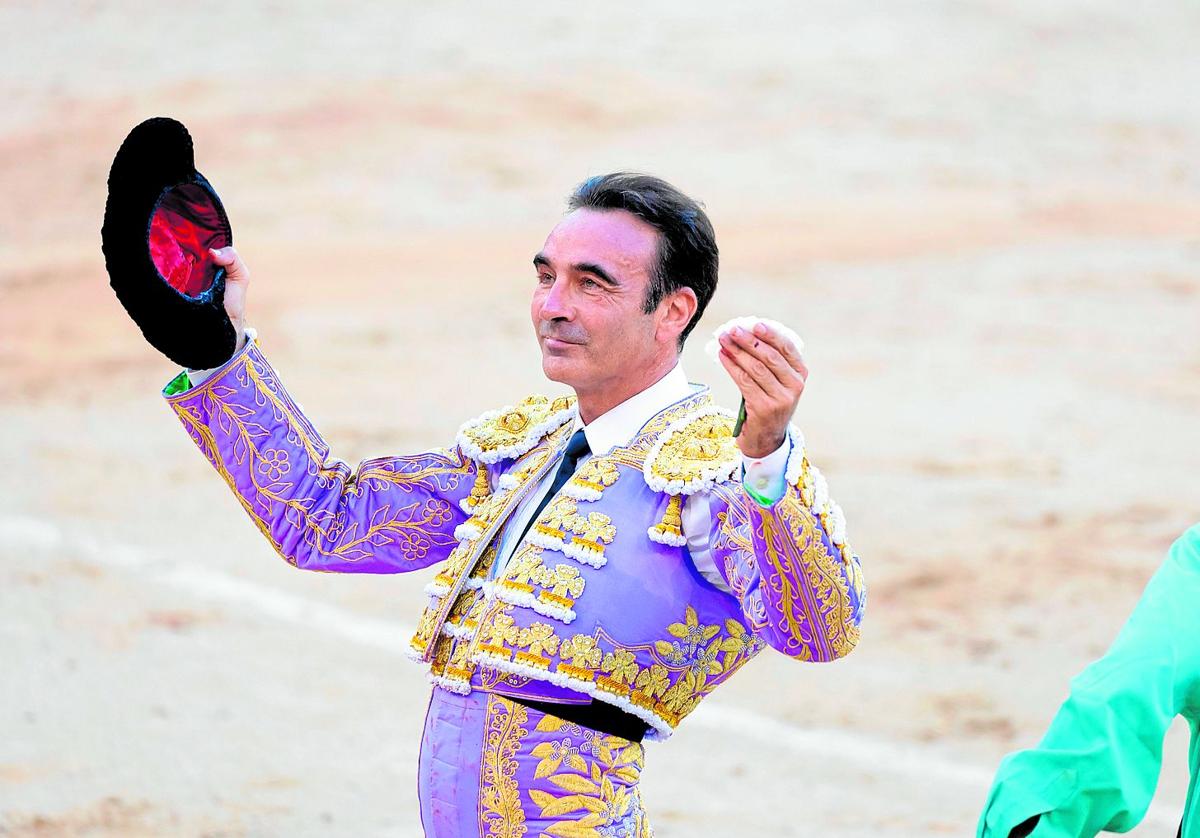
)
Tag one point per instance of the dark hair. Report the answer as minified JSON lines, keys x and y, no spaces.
{"x":687,"y":245}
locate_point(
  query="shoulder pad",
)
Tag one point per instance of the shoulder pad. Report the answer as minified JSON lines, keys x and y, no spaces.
{"x":512,"y":431}
{"x":693,"y":453}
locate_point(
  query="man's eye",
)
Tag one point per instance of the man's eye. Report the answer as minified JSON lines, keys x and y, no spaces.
{"x":545,"y":279}
{"x":588,"y":282}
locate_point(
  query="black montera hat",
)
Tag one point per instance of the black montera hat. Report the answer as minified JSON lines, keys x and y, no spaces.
{"x":161,"y":218}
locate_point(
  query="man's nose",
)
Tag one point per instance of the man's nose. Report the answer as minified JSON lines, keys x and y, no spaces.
{"x":556,"y":305}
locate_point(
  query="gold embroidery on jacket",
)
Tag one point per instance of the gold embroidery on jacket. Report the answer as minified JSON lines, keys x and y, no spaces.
{"x":503,"y":435}
{"x":684,"y":668}
{"x":705,"y":445}
{"x":271,"y":473}
{"x":817,"y":614}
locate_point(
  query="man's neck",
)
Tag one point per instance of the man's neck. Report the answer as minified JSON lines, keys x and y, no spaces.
{"x":594,"y":403}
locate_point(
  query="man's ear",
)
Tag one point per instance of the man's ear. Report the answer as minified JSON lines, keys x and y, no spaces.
{"x":675,"y":312}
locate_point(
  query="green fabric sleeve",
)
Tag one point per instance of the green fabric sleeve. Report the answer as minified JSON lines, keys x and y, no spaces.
{"x":178,"y":384}
{"x":1098,"y":764}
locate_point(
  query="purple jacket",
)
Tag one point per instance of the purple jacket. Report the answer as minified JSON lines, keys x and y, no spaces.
{"x":600,"y":597}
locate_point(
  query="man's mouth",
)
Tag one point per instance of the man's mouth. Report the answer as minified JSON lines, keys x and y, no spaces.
{"x":556,"y":343}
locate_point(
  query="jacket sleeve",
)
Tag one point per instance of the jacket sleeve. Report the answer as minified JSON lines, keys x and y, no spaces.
{"x":800,"y":585}
{"x":388,"y":515}
{"x":1098,"y":764}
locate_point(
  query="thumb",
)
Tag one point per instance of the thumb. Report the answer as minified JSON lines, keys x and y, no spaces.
{"x":236,"y":282}
{"x":228,"y":258}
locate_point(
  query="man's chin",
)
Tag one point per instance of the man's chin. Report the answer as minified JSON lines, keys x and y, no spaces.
{"x":559,"y":369}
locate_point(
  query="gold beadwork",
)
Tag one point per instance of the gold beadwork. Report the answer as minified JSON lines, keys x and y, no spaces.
{"x":672,"y":519}
{"x":701,"y":450}
{"x":493,"y":649}
{"x":515,"y":430}
{"x":480,"y":491}
{"x":596,"y":475}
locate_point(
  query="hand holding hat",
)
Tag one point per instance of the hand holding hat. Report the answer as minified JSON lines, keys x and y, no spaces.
{"x":161,"y":222}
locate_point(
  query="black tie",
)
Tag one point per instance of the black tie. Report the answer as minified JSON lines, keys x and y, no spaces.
{"x":576,"y":448}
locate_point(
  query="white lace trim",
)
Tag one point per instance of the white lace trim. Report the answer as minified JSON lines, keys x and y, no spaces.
{"x":794,"y":469}
{"x":549,"y":542}
{"x":670,"y":539}
{"x":467,"y":531}
{"x":454,"y":685}
{"x":584,"y":555}
{"x":579,"y":492}
{"x":437,"y":589}
{"x":457,"y":630}
{"x":493,"y":590}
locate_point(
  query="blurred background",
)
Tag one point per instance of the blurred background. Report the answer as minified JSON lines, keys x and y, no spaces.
{"x":983,"y":217}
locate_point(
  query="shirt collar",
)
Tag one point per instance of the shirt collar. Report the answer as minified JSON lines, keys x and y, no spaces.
{"x":621,"y":424}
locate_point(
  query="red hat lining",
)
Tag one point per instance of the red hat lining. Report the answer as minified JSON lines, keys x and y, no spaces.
{"x":185,"y":224}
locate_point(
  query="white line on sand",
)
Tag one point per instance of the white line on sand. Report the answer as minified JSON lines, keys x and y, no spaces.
{"x":870,"y":754}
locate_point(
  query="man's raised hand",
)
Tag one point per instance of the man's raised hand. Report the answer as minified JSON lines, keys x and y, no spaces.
{"x":769,"y":372}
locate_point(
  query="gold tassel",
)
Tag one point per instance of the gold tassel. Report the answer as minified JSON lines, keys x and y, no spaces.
{"x":670,"y":528}
{"x":481,"y":490}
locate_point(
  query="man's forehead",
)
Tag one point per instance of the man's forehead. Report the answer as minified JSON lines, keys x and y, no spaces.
{"x":615,"y":237}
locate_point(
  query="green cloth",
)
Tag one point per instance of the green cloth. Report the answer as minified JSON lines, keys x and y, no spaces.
{"x":1098,"y":764}
{"x":178,"y":384}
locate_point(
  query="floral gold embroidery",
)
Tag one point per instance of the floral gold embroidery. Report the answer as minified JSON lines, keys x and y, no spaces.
{"x":538,"y":638}
{"x":621,"y":665}
{"x":652,"y":681}
{"x":591,"y":479}
{"x":581,"y":650}
{"x":599,"y":784}
{"x":501,"y":812}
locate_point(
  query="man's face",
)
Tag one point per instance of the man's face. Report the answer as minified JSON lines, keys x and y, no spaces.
{"x":592,"y":276}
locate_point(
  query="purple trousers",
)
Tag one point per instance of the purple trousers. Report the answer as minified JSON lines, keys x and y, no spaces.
{"x":490,"y":766}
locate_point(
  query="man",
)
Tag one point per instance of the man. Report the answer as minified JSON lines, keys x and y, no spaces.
{"x":1097,"y":766}
{"x":609,"y":558}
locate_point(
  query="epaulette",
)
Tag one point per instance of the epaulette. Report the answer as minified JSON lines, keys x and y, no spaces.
{"x":693,"y":453}
{"x":509,"y":432}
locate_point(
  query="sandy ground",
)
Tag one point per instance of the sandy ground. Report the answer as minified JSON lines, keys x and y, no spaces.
{"x":983,"y":217}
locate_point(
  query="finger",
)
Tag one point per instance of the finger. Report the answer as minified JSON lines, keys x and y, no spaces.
{"x":746,"y":384}
{"x":784,"y":346}
{"x":770,"y":356}
{"x":753,"y":389}
{"x":749,"y":361}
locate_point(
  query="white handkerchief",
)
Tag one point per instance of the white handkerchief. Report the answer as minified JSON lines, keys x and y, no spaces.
{"x":713,"y":347}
